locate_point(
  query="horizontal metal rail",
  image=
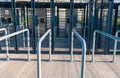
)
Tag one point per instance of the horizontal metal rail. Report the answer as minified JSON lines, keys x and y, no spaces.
{"x":5,"y":30}
{"x":14,"y":34}
{"x":83,"y":43}
{"x":107,"y":35}
{"x":39,"y":52}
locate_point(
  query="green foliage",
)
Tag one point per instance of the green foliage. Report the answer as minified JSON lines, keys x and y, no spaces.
{"x":80,"y":20}
{"x":118,"y":21}
{"x":118,"y":24}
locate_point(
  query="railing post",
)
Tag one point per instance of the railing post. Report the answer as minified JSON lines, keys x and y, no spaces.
{"x":23,"y":38}
{"x":28,"y":35}
{"x":7,"y":53}
{"x":114,"y":52}
{"x":8,"y":29}
{"x":93,"y":47}
{"x":115,"y":47}
{"x":83,"y":53}
{"x":50,"y":46}
{"x":83,"y":59}
{"x":6,"y":42}
{"x":72,"y":46}
{"x":39,"y":60}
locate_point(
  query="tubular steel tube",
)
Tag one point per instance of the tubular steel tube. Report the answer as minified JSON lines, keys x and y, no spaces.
{"x":83,"y":53}
{"x":39,"y":52}
{"x":14,"y":34}
{"x":50,"y":46}
{"x":28,"y":37}
{"x":72,"y":48}
{"x":93,"y":47}
{"x":7,"y":55}
{"x":39,"y":60}
{"x":115,"y":46}
{"x":107,"y":35}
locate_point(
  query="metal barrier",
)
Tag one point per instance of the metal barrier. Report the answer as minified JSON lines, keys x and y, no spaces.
{"x":83,"y":52}
{"x":39,"y":52}
{"x":4,"y":29}
{"x":115,"y":45}
{"x":107,"y":35}
{"x":13,"y":34}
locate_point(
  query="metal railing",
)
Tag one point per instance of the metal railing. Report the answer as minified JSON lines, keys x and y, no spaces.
{"x":107,"y":35}
{"x":14,"y":34}
{"x":83,"y":52}
{"x":39,"y":52}
{"x":115,"y":44}
{"x":4,"y":29}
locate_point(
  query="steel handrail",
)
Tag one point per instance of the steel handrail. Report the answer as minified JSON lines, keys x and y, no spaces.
{"x":5,"y":30}
{"x":107,"y":35}
{"x":14,"y":34}
{"x":39,"y":52}
{"x":83,"y":51}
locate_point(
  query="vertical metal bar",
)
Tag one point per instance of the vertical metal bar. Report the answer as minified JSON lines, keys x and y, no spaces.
{"x":87,"y":16}
{"x":23,"y":39}
{"x":96,"y":16}
{"x":8,"y":32}
{"x":33,"y":25}
{"x":23,"y":23}
{"x":39,"y":60}
{"x":28,"y":37}
{"x":72,"y":47}
{"x":71,"y":24}
{"x":13,"y":3}
{"x":24,"y":16}
{"x":114,"y":52}
{"x":57,"y":21}
{"x":101,"y":22}
{"x":115,"y":20}
{"x":109,"y":24}
{"x":45,"y":20}
{"x":27,"y":18}
{"x":7,"y":53}
{"x":114,"y":29}
{"x":101,"y":14}
{"x":115,"y":47}
{"x":93,"y":47}
{"x":84,"y":23}
{"x":50,"y":46}
{"x":17,"y":14}
{"x":89,"y":25}
{"x":6,"y":41}
{"x":52,"y":19}
{"x":24,"y":26}
{"x":83,"y":59}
